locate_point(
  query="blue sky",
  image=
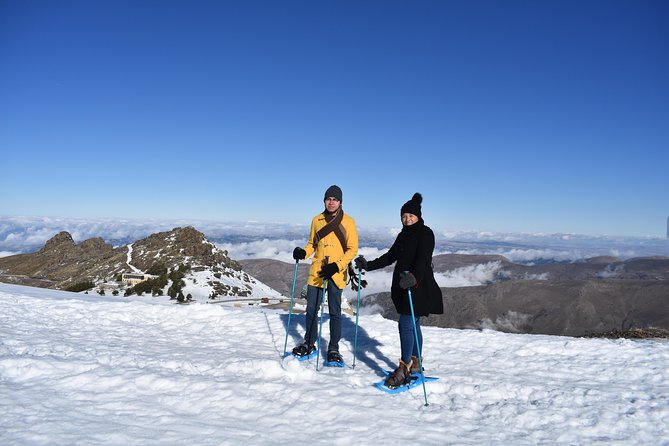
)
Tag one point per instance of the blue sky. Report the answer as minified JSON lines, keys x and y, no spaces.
{"x":546,"y":116}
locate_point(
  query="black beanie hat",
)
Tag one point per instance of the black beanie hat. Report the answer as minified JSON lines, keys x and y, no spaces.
{"x":333,"y":191}
{"x":413,"y":206}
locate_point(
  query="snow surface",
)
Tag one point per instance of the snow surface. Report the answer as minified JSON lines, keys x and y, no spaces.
{"x":197,"y":286}
{"x":85,"y":369}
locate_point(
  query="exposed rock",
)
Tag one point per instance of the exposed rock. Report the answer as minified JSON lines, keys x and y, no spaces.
{"x":59,"y":263}
{"x":96,"y":246}
{"x":179,"y":246}
{"x":61,"y":241}
{"x":635,"y":333}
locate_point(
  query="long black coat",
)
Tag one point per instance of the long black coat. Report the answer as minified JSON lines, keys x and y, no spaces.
{"x":412,"y":251}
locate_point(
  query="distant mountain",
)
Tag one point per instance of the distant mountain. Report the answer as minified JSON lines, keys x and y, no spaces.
{"x":592,"y":296}
{"x":63,"y":264}
{"x":568,"y":308}
{"x":277,"y":274}
{"x":603,"y":267}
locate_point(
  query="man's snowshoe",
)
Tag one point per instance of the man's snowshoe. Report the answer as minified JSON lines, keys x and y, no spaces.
{"x":304,"y":350}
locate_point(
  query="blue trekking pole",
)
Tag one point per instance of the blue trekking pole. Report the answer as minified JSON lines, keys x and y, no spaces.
{"x":320,"y":324}
{"x":290,"y":311}
{"x":415,"y":332}
{"x":357,"y":312}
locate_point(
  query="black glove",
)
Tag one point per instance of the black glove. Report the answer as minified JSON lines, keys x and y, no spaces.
{"x":360,"y":263}
{"x":407,"y":280}
{"x":328,"y":270}
{"x":299,"y":253}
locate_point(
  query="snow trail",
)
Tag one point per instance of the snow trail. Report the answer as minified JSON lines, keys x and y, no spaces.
{"x":129,"y":261}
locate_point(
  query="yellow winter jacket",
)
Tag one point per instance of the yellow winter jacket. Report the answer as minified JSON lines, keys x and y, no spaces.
{"x":331,"y":246}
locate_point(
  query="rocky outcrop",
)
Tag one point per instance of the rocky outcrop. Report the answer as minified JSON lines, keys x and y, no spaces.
{"x":178,"y":246}
{"x":60,"y":242}
{"x":61,"y":262}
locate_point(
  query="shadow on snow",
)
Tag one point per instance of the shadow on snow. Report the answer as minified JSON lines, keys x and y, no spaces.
{"x":368,"y":351}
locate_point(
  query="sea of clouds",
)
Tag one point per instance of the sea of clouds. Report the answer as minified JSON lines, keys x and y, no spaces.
{"x":276,"y":240}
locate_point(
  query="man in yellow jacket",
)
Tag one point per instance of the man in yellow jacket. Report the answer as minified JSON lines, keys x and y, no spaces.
{"x":333,"y":241}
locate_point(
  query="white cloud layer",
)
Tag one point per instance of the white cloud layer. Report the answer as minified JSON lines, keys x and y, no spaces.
{"x":469,"y":275}
{"x":277,"y":249}
{"x":277,"y":240}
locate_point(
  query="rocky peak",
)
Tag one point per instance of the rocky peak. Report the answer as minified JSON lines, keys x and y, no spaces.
{"x":96,"y":245}
{"x":188,"y":234}
{"x":60,"y":241}
{"x":180,"y":245}
{"x":62,"y":244}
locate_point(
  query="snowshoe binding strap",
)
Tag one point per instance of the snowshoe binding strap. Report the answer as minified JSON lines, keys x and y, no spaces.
{"x":303,"y":350}
{"x":334,"y":356}
{"x":400,"y":377}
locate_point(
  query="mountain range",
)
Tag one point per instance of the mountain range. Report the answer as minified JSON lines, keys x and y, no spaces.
{"x":594,"y":295}
{"x":207,"y":271}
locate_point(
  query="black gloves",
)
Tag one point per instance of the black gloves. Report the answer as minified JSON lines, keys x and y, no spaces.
{"x":361,"y":263}
{"x":299,"y":253}
{"x":407,"y":280}
{"x":328,"y":270}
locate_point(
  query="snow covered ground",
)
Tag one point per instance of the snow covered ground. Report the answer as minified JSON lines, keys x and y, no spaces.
{"x":84,"y":369}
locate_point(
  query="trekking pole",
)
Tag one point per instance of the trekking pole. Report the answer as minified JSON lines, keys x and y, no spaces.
{"x":320,"y":323}
{"x":420,"y":354}
{"x":357,"y":312}
{"x":290,"y":311}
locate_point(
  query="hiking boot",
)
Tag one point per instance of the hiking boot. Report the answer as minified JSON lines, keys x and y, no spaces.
{"x":415,"y":365}
{"x":303,"y":350}
{"x":334,"y":356}
{"x":400,"y":377}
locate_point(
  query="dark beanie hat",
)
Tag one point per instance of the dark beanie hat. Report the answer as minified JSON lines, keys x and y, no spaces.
{"x":413,"y":206}
{"x":333,"y":191}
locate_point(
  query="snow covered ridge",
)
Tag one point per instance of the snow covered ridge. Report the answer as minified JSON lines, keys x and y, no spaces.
{"x":93,"y":370}
{"x":208,"y":271}
{"x":181,"y":261}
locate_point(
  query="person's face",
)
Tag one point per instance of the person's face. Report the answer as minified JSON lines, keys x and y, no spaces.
{"x":409,"y":219}
{"x":332,"y":204}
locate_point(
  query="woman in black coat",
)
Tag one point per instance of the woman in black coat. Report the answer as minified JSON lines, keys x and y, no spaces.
{"x":412,"y":252}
